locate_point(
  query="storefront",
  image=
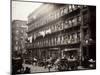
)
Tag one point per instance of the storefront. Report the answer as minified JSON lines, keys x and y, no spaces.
{"x":71,"y":53}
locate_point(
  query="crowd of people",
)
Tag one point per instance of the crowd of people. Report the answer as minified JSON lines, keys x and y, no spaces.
{"x":60,"y":64}
{"x":49,"y":63}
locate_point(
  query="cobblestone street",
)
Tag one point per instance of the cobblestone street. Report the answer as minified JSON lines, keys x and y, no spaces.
{"x":35,"y":69}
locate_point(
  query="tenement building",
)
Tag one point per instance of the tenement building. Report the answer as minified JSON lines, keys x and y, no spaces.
{"x":19,"y":36}
{"x":62,"y":30}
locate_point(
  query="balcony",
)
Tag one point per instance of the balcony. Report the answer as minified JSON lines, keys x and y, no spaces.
{"x":56,"y":43}
{"x":47,"y":19}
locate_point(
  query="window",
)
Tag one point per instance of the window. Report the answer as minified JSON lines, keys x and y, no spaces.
{"x":16,"y":42}
{"x":85,"y":17}
{"x":16,"y":48}
{"x":62,"y":12}
{"x":17,"y":31}
{"x":79,"y":19}
{"x":60,"y":25}
{"x":65,"y":10}
{"x":52,"y":41}
{"x":16,"y":38}
{"x":62,"y":39}
{"x":72,"y":37}
{"x":53,"y":28}
{"x":75,"y":37}
{"x":49,"y":42}
{"x":58,"y":41}
{"x":70,"y":22}
{"x":73,"y":7}
{"x":56,"y":38}
{"x":86,"y":34}
{"x":55,"y":15}
{"x":38,"y":43}
{"x":78,"y":36}
{"x":70,"y":8}
{"x":66,"y":24}
{"x":74,"y":21}
{"x":69,"y":37}
{"x":57,"y":26}
{"x":58,"y":14}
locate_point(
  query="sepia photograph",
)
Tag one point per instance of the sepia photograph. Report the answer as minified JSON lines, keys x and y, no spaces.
{"x":52,"y":37}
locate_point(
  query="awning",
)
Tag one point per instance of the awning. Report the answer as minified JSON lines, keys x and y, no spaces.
{"x":53,"y":48}
{"x":71,"y":49}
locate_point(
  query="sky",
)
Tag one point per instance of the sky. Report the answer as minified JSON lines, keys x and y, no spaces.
{"x":21,"y":10}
